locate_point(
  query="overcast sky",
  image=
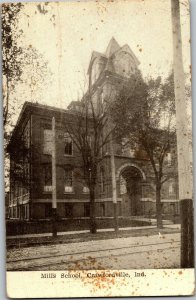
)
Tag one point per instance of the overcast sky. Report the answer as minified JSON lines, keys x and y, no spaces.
{"x":68,"y":33}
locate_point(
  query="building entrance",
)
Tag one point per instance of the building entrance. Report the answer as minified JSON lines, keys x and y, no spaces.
{"x":132,"y":191}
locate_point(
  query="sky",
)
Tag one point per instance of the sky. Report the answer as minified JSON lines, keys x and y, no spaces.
{"x":67,"y":33}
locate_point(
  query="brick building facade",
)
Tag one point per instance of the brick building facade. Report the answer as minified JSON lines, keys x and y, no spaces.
{"x":31,"y":167}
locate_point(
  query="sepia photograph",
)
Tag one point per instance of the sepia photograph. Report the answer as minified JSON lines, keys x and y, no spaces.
{"x":98,"y":167}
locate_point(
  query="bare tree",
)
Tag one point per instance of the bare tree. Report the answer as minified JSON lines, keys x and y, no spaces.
{"x":143,"y":112}
{"x":87,"y":125}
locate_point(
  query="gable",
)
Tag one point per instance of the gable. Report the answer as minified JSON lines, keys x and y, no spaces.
{"x":112,"y":47}
{"x":98,"y":56}
{"x":124,"y":63}
{"x":128,"y":50}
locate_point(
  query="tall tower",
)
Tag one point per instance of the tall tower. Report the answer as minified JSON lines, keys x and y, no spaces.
{"x":109,"y":71}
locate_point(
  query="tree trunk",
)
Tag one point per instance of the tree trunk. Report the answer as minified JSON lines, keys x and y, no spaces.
{"x":159,"y":206}
{"x":6,"y":104}
{"x":93,"y":226}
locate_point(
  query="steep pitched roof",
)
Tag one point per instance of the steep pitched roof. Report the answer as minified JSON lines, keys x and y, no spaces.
{"x":107,"y":57}
{"x":109,"y":66}
{"x":94,"y":55}
{"x":112,"y":47}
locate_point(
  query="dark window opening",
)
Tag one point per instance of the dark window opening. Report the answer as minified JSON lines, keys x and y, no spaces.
{"x":47,"y":175}
{"x":48,"y":210}
{"x":68,"y":150}
{"x":103,"y":211}
{"x":119,"y":209}
{"x":86,"y":210}
{"x":102,"y":183}
{"x":68,"y":210}
{"x":47,"y":178}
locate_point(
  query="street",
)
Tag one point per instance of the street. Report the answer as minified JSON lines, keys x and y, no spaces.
{"x":146,"y":252}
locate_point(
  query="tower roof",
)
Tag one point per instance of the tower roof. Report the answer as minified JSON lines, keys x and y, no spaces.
{"x":112,"y":47}
{"x":109,"y":66}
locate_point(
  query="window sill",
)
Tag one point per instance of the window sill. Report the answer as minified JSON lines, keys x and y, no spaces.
{"x":102,"y":193}
{"x":69,"y":193}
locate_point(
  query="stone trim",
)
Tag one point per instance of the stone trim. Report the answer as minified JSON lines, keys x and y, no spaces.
{"x":162,"y":200}
{"x":73,"y":200}
{"x":130,"y":165}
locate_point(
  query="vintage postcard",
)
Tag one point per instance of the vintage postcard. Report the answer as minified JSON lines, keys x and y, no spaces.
{"x":98,"y":148}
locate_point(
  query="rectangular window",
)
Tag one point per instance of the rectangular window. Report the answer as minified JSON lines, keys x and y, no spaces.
{"x":119,"y":208}
{"x":48,"y":210}
{"x":86,"y":209}
{"x":68,"y":181}
{"x":68,"y":149}
{"x":48,"y":142}
{"x":68,"y":210}
{"x":171,"y":188}
{"x":102,"y":185}
{"x":85,"y":189}
{"x":89,"y":141}
{"x":127,"y":148}
{"x":169,"y":159}
{"x":47,"y":175}
{"x":27,"y":137}
{"x":123,"y":186}
{"x":102,"y":209}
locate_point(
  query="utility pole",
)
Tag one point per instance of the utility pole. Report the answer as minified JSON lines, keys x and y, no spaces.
{"x":184,"y":161}
{"x":114,"y":193}
{"x":54,"y":202}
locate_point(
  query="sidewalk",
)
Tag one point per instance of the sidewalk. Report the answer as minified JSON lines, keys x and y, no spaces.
{"x":37,"y":235}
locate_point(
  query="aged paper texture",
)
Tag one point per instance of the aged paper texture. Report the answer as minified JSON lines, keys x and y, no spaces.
{"x":98,"y":148}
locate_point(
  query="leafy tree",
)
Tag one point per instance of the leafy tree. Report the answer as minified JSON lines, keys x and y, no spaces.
{"x":20,"y":64}
{"x":144,"y":113}
{"x":35,"y":75}
{"x":21,"y":67}
{"x":11,"y":52}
